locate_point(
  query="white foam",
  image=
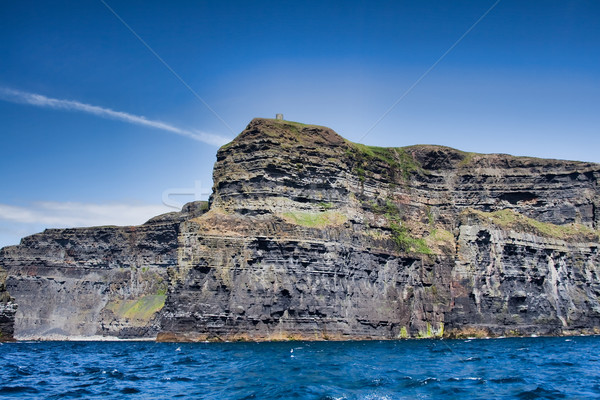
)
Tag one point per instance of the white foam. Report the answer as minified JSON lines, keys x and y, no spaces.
{"x":92,"y":338}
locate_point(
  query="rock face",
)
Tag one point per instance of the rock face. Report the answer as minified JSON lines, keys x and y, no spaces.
{"x":8,"y":308}
{"x":103,"y":281}
{"x":309,"y":236}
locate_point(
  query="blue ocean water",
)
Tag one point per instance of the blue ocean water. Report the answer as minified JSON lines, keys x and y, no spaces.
{"x":519,"y":368}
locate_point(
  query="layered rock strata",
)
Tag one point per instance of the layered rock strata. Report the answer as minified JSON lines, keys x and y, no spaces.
{"x":83,"y":282}
{"x":310,"y":236}
{"x":8,"y":309}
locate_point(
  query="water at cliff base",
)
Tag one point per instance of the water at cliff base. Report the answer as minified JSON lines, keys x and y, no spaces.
{"x":526,"y":368}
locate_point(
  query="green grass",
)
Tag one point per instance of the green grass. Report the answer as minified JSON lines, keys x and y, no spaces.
{"x":511,"y":219}
{"x":389,"y":209}
{"x":400,"y":233}
{"x":291,"y":123}
{"x":384,"y":154}
{"x":468,"y":159}
{"x":403,"y":333}
{"x":360,"y":172}
{"x":325,"y":206}
{"x":407,"y":243}
{"x":142,"y":309}
{"x":315,"y":219}
{"x":397,"y":158}
{"x":441,"y":235}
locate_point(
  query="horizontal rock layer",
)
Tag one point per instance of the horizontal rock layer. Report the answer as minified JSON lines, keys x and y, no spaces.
{"x":310,"y":236}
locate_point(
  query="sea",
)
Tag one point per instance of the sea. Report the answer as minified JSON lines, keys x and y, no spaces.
{"x":511,"y":368}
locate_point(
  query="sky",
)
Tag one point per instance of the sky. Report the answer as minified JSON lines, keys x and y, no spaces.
{"x":112,"y":111}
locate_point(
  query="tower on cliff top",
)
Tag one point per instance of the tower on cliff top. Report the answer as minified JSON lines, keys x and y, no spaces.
{"x":279,"y":117}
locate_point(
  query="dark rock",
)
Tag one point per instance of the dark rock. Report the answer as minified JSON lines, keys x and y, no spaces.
{"x":8,"y":308}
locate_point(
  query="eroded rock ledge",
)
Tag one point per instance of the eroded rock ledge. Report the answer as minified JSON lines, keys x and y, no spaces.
{"x":310,"y":236}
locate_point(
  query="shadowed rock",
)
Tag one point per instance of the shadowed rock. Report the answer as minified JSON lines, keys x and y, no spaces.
{"x":8,"y":308}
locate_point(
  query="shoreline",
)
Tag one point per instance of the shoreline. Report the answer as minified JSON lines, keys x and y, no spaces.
{"x":98,"y":338}
{"x":94,"y":338}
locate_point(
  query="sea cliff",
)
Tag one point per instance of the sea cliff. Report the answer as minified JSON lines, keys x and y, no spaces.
{"x":310,"y":236}
{"x":8,"y":308}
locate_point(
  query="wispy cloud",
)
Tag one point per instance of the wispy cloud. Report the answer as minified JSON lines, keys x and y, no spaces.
{"x":17,"y":222}
{"x":34,"y":99}
{"x":71,"y":214}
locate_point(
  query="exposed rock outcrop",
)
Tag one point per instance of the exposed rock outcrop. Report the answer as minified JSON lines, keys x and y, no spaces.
{"x":310,"y":236}
{"x":8,"y":308}
{"x":103,"y":281}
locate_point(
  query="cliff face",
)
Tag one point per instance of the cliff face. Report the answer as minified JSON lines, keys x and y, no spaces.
{"x":311,"y":236}
{"x":102,"y":281}
{"x":8,"y":309}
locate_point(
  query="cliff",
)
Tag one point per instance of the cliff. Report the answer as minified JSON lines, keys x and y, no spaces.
{"x":104,"y":281}
{"x":310,"y":236}
{"x":8,"y":309}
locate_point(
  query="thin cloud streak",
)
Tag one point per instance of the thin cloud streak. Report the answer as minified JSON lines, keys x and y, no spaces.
{"x":73,"y":214}
{"x":34,"y":99}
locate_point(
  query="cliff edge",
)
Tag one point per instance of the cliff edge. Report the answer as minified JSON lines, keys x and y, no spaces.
{"x":310,"y":236}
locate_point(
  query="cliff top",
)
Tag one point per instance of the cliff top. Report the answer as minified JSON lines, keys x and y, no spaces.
{"x":427,"y":156}
{"x":287,"y":132}
{"x":271,"y":150}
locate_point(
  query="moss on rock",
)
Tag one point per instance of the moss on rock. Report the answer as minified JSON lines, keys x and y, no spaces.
{"x":511,"y":219}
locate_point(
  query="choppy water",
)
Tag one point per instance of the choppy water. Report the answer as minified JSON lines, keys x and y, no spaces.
{"x":527,"y":368}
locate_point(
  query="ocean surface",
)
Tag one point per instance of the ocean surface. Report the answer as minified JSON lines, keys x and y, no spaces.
{"x":516,"y":368}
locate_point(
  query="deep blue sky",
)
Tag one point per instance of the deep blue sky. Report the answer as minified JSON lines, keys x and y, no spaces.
{"x":524,"y":81}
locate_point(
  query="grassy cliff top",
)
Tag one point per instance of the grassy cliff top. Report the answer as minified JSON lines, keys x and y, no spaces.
{"x":426,"y":156}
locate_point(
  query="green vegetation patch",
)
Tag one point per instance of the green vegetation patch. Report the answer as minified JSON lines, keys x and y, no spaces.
{"x":325,"y":206}
{"x":389,"y":209}
{"x":396,"y":158}
{"x":384,"y":154}
{"x":142,"y":309}
{"x":400,"y":233}
{"x":290,"y":123}
{"x":441,"y":236}
{"x":511,"y":219}
{"x":469,"y":157}
{"x":403,"y":333}
{"x":315,"y":219}
{"x":431,"y":332}
{"x":405,"y":242}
